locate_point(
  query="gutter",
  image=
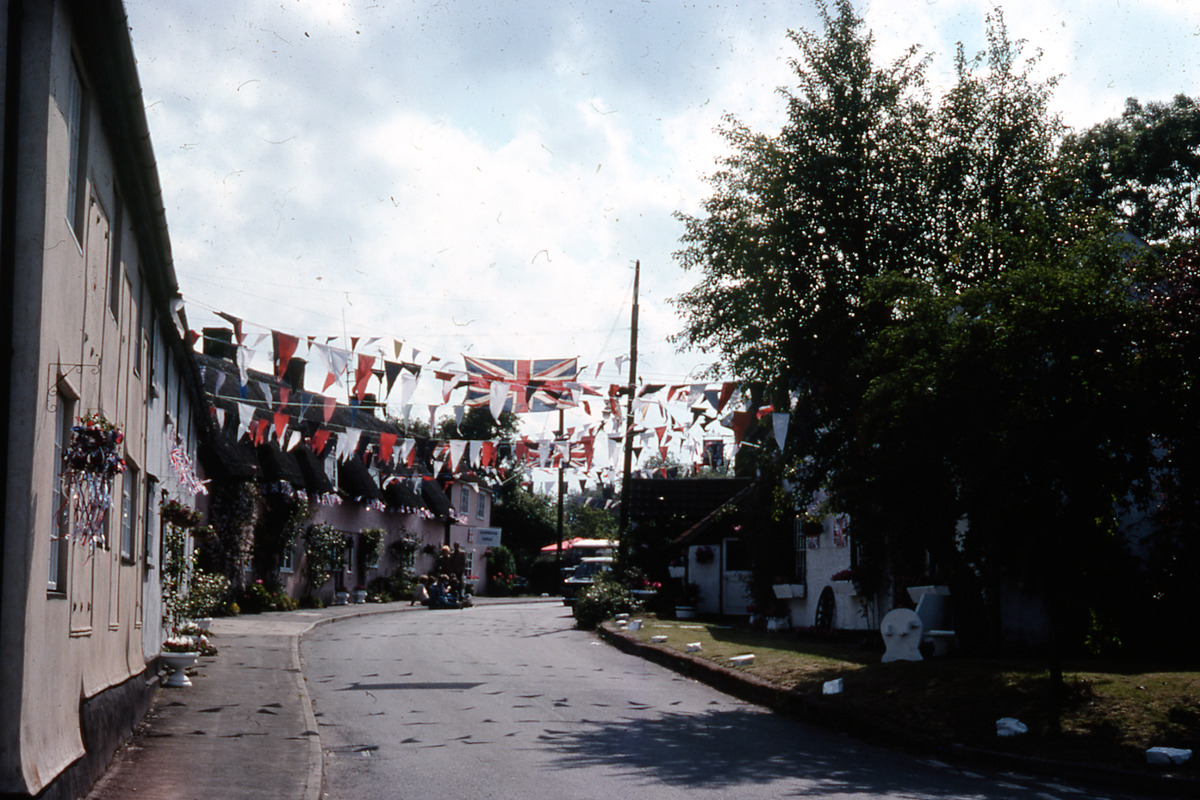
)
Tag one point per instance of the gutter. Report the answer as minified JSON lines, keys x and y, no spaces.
{"x":8,"y":244}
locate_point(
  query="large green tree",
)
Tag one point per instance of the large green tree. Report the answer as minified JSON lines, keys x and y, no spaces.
{"x":1144,"y":167}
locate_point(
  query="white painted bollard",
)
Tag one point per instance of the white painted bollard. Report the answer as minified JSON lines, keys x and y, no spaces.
{"x":1167,"y":755}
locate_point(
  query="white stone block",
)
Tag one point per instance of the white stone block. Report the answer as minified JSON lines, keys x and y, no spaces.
{"x":659,"y":639}
{"x":742,"y":661}
{"x":635,"y":624}
{"x":1009,"y":726}
{"x":1167,"y":755}
{"x":693,"y":647}
{"x":832,"y":687}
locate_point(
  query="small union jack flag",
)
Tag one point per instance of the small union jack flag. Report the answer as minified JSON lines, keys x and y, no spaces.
{"x":534,"y":384}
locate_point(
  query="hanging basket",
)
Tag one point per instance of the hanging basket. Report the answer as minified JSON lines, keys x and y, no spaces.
{"x":90,"y":462}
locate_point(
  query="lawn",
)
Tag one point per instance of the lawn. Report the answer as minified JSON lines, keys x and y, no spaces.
{"x":1111,"y":713}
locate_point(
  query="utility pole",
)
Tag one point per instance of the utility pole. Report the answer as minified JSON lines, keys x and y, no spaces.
{"x":623,"y":530}
{"x":558,"y":552}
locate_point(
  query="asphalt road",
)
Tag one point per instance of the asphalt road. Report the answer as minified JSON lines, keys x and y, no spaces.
{"x":511,"y":702}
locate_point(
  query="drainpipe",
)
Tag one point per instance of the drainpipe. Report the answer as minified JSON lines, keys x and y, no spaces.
{"x":8,"y":243}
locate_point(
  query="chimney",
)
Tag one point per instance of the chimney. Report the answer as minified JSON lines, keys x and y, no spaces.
{"x":294,"y":376}
{"x":369,"y":403}
{"x":218,"y":343}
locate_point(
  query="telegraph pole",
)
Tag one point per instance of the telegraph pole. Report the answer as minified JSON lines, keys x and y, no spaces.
{"x":630,"y":391}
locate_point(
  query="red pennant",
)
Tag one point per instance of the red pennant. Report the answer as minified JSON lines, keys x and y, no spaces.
{"x":329,"y":405}
{"x":285,"y":348}
{"x":260,"y":431}
{"x":281,"y":421}
{"x":740,"y":422}
{"x":386,"y":442}
{"x":726,"y":393}
{"x":319,"y":439}
{"x":487,"y":455}
{"x":362,"y":375}
{"x":192,"y":338}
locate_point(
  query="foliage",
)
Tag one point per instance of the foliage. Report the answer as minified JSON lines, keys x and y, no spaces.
{"x":177,"y":566}
{"x":370,"y":546}
{"x":176,"y":513}
{"x":233,"y":511}
{"x":604,"y":599}
{"x":258,"y":597}
{"x":591,"y":522}
{"x":478,"y":423}
{"x":323,"y":549}
{"x":502,"y":572}
{"x":529,"y":520}
{"x":276,"y":531}
{"x":1144,"y":168}
{"x":208,"y":596}
{"x":967,"y":347}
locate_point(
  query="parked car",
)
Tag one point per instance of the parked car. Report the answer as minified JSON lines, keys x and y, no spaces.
{"x":584,"y":575}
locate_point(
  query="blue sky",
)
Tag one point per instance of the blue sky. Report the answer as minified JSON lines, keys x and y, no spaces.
{"x":481,"y":177}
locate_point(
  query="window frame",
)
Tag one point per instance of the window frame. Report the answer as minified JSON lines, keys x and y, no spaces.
{"x":60,"y":520}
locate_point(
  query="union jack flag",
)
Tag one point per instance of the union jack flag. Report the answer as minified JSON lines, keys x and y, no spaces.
{"x":534,"y":384}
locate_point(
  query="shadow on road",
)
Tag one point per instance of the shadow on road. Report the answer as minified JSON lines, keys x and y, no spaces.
{"x":725,"y":749}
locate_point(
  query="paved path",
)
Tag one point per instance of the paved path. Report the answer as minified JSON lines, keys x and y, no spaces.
{"x":244,"y":730}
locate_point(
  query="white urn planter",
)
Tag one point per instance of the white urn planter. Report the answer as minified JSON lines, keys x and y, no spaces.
{"x":685,"y":612}
{"x":359,"y":596}
{"x":177,"y":664}
{"x":341,"y":598}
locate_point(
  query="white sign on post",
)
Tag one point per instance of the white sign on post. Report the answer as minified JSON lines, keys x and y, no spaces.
{"x":488,"y":537}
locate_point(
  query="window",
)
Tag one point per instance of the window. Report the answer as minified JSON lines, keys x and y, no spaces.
{"x":76,"y":113}
{"x":330,"y":464}
{"x":464,"y":500}
{"x":128,"y":511}
{"x":288,"y":564}
{"x":479,"y":506}
{"x":148,"y":541}
{"x":115,"y":273}
{"x":348,"y":554}
{"x":801,"y":553}
{"x":470,"y":561}
{"x":60,"y":524}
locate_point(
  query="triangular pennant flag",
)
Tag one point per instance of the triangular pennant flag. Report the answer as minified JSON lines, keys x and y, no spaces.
{"x":408,"y":384}
{"x":780,"y":421}
{"x":237,"y":325}
{"x":386,"y":442}
{"x":293,"y":440}
{"x":285,"y":348}
{"x":397,"y":346}
{"x":391,"y":369}
{"x":328,"y":404}
{"x":361,"y":375}
{"x":457,"y":448}
{"x":220,"y":382}
{"x":281,"y":422}
{"x":476,"y":452}
{"x":497,"y":396}
{"x":245,"y":417}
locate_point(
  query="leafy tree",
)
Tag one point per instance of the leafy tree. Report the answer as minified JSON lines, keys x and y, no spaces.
{"x":797,"y":220}
{"x":1144,"y":167}
{"x":1026,"y":396}
{"x":478,"y":423}
{"x":529,"y":520}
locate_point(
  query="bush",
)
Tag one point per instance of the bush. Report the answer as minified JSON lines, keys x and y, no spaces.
{"x":389,"y":589}
{"x":603,"y":600}
{"x":257,"y":598}
{"x":208,"y":596}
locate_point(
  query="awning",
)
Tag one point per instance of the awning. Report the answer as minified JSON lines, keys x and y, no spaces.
{"x":581,"y":543}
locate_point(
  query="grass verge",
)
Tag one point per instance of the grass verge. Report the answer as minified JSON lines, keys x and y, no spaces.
{"x":1111,"y":713}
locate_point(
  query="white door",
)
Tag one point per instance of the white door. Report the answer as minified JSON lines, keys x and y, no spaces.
{"x":735,"y":577}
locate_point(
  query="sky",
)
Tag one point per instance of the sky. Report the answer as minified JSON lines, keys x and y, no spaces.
{"x":481,"y":177}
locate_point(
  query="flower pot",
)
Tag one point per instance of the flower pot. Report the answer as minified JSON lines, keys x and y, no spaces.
{"x":783,"y":591}
{"x":685,"y":612}
{"x":178,"y":663}
{"x":677,"y":572}
{"x":205,"y":624}
{"x":341,"y":598}
{"x":359,"y":596}
{"x":775,"y":624}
